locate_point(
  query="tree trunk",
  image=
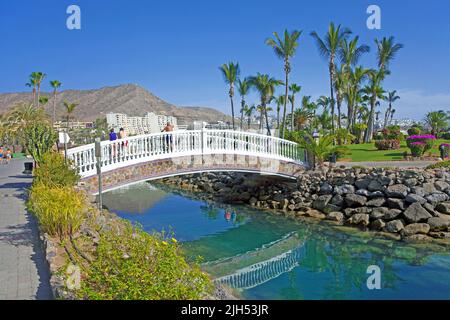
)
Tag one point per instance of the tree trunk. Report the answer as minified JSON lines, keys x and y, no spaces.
{"x":386,"y":116}
{"x":286,"y":93}
{"x":292,"y":112}
{"x":242,"y":112}
{"x":369,"y":131}
{"x":232,"y":110}
{"x":339,"y":102}
{"x":332,"y":93}
{"x":267,"y":120}
{"x":34,"y":95}
{"x":54,"y":106}
{"x":38,"y":94}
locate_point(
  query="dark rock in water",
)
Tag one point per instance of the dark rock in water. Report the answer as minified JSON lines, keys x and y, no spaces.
{"x":418,"y":238}
{"x":378,"y":224}
{"x":361,"y":219}
{"x":416,"y":213}
{"x":321,"y":202}
{"x":354,"y":200}
{"x":415,"y":228}
{"x":330,"y":208}
{"x":438,"y":224}
{"x":397,"y":191}
{"x":335,"y":216}
{"x":395,"y":203}
{"x":394,"y":226}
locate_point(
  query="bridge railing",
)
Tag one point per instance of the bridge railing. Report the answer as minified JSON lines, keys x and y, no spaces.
{"x":143,"y":148}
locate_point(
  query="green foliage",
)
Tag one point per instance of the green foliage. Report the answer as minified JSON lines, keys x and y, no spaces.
{"x":445,"y":135}
{"x":321,"y":149}
{"x":442,"y":164}
{"x":133,"y":265}
{"x":414,"y":130}
{"x":417,"y":150}
{"x":53,"y":171}
{"x":59,"y":210}
{"x":39,"y":139}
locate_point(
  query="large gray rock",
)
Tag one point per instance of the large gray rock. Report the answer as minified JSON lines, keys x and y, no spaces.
{"x":344,"y":189}
{"x":376,"y":194}
{"x":395,"y":203}
{"x":377,"y":202}
{"x":354,"y":200}
{"x":378,"y":224}
{"x":441,"y":185}
{"x":321,"y":202}
{"x":416,"y":213}
{"x":392,"y":214}
{"x":397,"y":191}
{"x":394,"y":226}
{"x":411,"y":198}
{"x":419,"y":191}
{"x":337,"y":200}
{"x":361,"y":219}
{"x":326,"y":188}
{"x":436,"y":198}
{"x":378,"y":213}
{"x":363,"y":192}
{"x":438,"y":224}
{"x":443,"y":207}
{"x":428,"y":188}
{"x":416,"y":228}
{"x":330,"y":208}
{"x":410,"y":182}
{"x":374,"y":185}
{"x":362,"y":183}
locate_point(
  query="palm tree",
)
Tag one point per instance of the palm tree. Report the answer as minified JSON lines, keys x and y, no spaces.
{"x":230,"y":74}
{"x":328,"y":48}
{"x":248,"y":113}
{"x":392,"y":115}
{"x":387,"y":49}
{"x":340,"y":84}
{"x":374,"y":91}
{"x":437,"y":120}
{"x":55,"y":85}
{"x":279,"y":101}
{"x":70,"y":108}
{"x":260,"y":109}
{"x":323,"y":102}
{"x":390,"y":98}
{"x":33,"y":84}
{"x":285,"y":50}
{"x":294,"y":90}
{"x":350,"y":52}
{"x":265,"y":85}
{"x":243,"y":87}
{"x":353,"y":93}
{"x":40,"y":77}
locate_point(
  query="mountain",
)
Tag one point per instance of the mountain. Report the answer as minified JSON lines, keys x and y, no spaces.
{"x":130,"y":99}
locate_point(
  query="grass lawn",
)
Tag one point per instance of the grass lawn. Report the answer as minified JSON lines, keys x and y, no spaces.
{"x":368,"y":152}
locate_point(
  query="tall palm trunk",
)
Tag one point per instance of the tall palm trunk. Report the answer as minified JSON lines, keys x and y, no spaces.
{"x":278,"y":119}
{"x":369,"y":131}
{"x":54,"y":107}
{"x":267,"y":120}
{"x":34,"y":95}
{"x":386,"y":116}
{"x":286,"y":93}
{"x":292,"y":113}
{"x":248,"y":123}
{"x":232,"y":103}
{"x":338,"y":104}
{"x":242,"y":113}
{"x":332,"y":92}
{"x":38,"y":93}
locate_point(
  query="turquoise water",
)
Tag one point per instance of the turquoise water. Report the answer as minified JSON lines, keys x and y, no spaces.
{"x":264,"y":256}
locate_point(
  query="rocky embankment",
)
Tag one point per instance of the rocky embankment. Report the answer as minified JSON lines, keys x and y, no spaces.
{"x":413,"y":205}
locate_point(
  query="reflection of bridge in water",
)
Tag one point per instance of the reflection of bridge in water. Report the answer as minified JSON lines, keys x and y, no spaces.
{"x":259,"y":266}
{"x":262,"y":272}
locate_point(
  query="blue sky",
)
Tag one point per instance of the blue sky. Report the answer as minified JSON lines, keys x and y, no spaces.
{"x":174,"y":48}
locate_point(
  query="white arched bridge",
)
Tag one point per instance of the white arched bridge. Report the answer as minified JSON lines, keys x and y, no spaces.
{"x":159,"y":155}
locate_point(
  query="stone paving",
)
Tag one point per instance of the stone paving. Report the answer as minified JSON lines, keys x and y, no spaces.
{"x":24,"y":272}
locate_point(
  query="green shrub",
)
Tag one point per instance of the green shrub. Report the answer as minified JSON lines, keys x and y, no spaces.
{"x":39,"y":139}
{"x":133,"y":265}
{"x":442,"y":164}
{"x":54,"y":172}
{"x":427,"y":140}
{"x":387,"y":144}
{"x":59,"y":210}
{"x":417,"y":148}
{"x":414,"y":131}
{"x":445,"y":135}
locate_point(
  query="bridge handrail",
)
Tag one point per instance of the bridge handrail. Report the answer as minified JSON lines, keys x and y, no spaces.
{"x":147,"y":147}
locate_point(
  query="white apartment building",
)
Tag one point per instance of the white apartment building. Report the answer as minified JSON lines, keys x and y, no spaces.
{"x":134,"y":125}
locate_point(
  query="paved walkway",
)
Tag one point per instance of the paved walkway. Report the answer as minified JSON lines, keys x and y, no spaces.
{"x":24,"y":272}
{"x":392,"y":164}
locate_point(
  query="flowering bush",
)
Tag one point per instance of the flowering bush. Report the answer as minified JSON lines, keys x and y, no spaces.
{"x":427,"y":139}
{"x":417,"y":148}
{"x":392,"y":144}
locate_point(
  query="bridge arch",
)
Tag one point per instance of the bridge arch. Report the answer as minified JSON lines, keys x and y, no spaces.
{"x":158,"y":155}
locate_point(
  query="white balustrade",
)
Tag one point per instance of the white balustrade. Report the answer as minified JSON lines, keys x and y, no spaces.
{"x":149,"y":147}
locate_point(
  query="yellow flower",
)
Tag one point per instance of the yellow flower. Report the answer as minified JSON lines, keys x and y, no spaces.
{"x":174,"y":240}
{"x":165,"y":243}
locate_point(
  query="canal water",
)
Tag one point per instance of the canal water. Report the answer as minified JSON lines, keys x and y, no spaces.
{"x":265,"y":256}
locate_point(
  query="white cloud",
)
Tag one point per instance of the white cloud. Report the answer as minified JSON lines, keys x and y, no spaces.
{"x":415,"y":103}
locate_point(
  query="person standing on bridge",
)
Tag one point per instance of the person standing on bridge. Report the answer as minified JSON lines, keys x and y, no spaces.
{"x":169,"y":138}
{"x":113,"y":137}
{"x":124,"y":143}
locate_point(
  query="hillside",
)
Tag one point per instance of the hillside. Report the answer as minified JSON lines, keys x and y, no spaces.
{"x":130,"y":99}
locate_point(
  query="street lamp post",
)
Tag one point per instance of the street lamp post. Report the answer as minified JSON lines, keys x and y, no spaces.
{"x":315,"y":136}
{"x":98,"y":156}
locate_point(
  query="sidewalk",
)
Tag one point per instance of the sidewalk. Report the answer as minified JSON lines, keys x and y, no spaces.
{"x":24,"y":272}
